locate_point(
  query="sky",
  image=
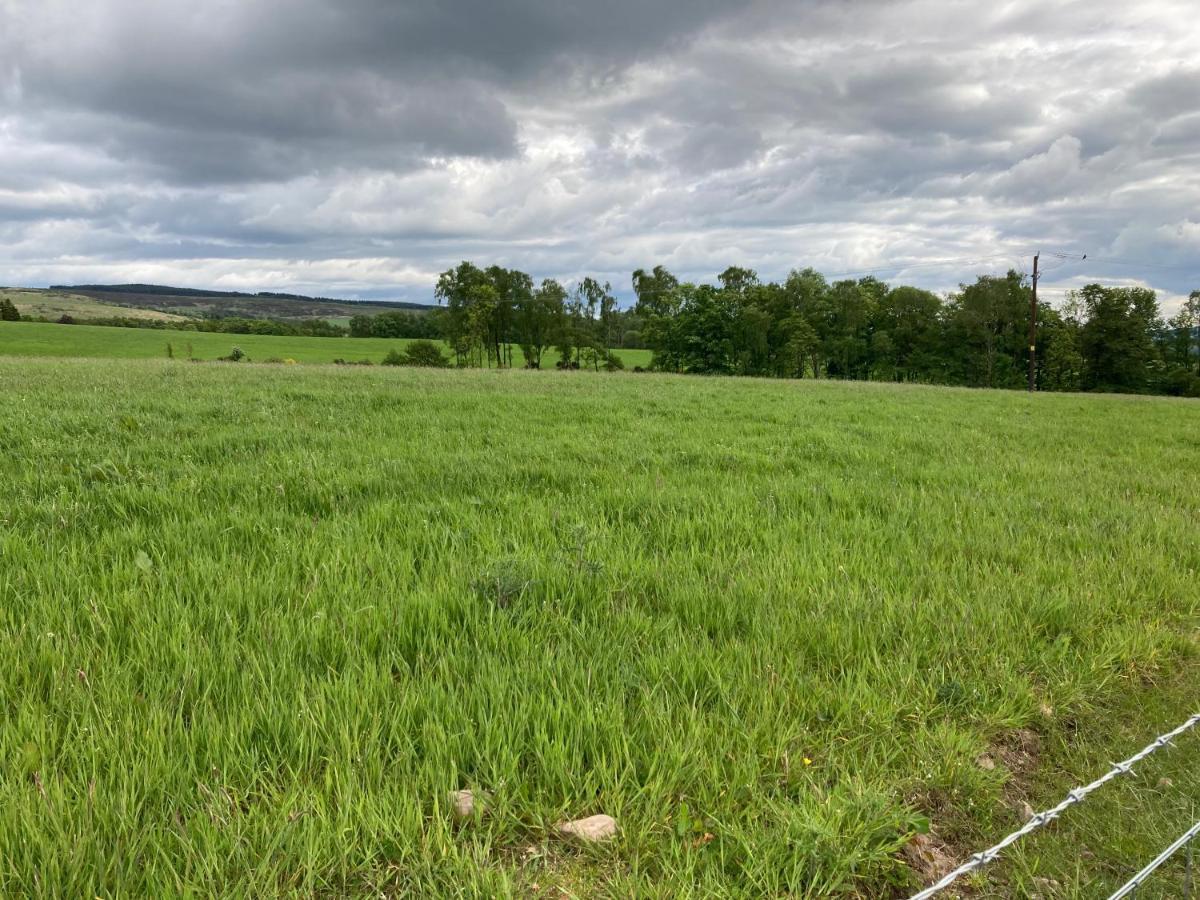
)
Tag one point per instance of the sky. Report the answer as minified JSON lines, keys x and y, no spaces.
{"x":356,"y":148}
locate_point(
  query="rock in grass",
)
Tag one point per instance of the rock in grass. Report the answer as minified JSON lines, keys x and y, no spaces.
{"x":591,"y":829}
{"x":1046,"y":887}
{"x":463,"y":804}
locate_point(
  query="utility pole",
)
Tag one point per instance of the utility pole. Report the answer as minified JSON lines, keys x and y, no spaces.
{"x":1033,"y":327}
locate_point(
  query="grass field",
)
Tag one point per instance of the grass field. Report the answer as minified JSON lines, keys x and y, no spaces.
{"x":53,"y":304}
{"x":256,"y":622}
{"x":100,"y":342}
{"x":251,"y":306}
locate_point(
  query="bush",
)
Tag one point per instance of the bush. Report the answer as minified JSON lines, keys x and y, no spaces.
{"x":8,"y":311}
{"x":235,"y":355}
{"x":418,"y":353}
{"x":1182,"y":383}
{"x":66,"y":319}
{"x":426,"y":353}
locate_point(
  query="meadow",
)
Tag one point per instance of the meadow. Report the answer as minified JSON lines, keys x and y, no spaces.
{"x":102,"y":342}
{"x":54,"y":304}
{"x":257,"y":621}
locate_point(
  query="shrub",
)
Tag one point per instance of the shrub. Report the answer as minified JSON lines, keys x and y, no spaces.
{"x":8,"y":311}
{"x":426,"y":353}
{"x":235,"y":355}
{"x":418,"y":353}
{"x":66,"y":319}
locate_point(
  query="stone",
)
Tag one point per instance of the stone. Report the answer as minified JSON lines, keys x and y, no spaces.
{"x":985,"y":762}
{"x":1027,"y":811}
{"x":591,"y":829}
{"x":463,"y":803}
{"x":1165,"y":783}
{"x":1046,"y":887}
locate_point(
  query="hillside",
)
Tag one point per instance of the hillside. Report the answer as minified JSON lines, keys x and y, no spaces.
{"x":54,"y":304}
{"x":264,"y":305}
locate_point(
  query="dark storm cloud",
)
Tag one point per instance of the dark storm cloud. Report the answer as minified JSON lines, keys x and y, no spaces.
{"x":361,"y":145}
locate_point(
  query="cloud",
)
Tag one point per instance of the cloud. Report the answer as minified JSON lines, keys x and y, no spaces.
{"x":360,"y":146}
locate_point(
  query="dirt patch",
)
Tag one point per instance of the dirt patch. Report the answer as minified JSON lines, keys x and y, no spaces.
{"x":928,"y":857}
{"x":1019,"y":752}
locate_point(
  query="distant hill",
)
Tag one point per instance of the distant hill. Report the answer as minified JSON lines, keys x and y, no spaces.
{"x":223,"y":304}
{"x":54,"y":304}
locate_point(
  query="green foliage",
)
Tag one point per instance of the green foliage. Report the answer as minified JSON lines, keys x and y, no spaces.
{"x":427,"y":354}
{"x":1117,"y":335}
{"x":257,"y":622}
{"x":8,"y":311}
{"x":418,"y":353}
{"x":396,"y":325}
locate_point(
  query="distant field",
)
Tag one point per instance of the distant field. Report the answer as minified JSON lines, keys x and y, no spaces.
{"x":249,"y":306}
{"x":53,"y":304}
{"x":98,"y":342}
{"x":256,"y":622}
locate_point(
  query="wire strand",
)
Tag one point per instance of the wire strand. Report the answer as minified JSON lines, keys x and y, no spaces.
{"x":981,"y":859}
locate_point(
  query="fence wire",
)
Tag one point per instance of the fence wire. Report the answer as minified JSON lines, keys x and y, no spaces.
{"x":981,"y":859}
{"x":1129,"y":888}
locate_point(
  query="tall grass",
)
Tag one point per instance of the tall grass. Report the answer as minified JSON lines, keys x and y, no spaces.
{"x":256,"y":622}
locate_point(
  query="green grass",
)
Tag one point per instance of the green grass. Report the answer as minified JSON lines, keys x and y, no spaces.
{"x":256,"y":621}
{"x":100,"y":342}
{"x":53,"y":304}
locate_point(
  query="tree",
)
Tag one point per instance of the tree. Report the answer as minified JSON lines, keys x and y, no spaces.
{"x":655,"y":292}
{"x":988,"y":323}
{"x":459,"y":288}
{"x":1117,"y":336}
{"x":538,"y":315}
{"x":1183,"y":335}
{"x":591,"y":301}
{"x":910,"y":319}
{"x":801,"y":346}
{"x":8,"y":310}
{"x":513,"y":288}
{"x":1060,"y":364}
{"x":844,"y":332}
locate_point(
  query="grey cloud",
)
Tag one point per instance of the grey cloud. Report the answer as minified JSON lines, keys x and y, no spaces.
{"x":361,"y":145}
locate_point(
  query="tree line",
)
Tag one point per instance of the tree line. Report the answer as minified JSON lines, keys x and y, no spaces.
{"x":804,"y":326}
{"x":208,"y":325}
{"x":1103,"y":339}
